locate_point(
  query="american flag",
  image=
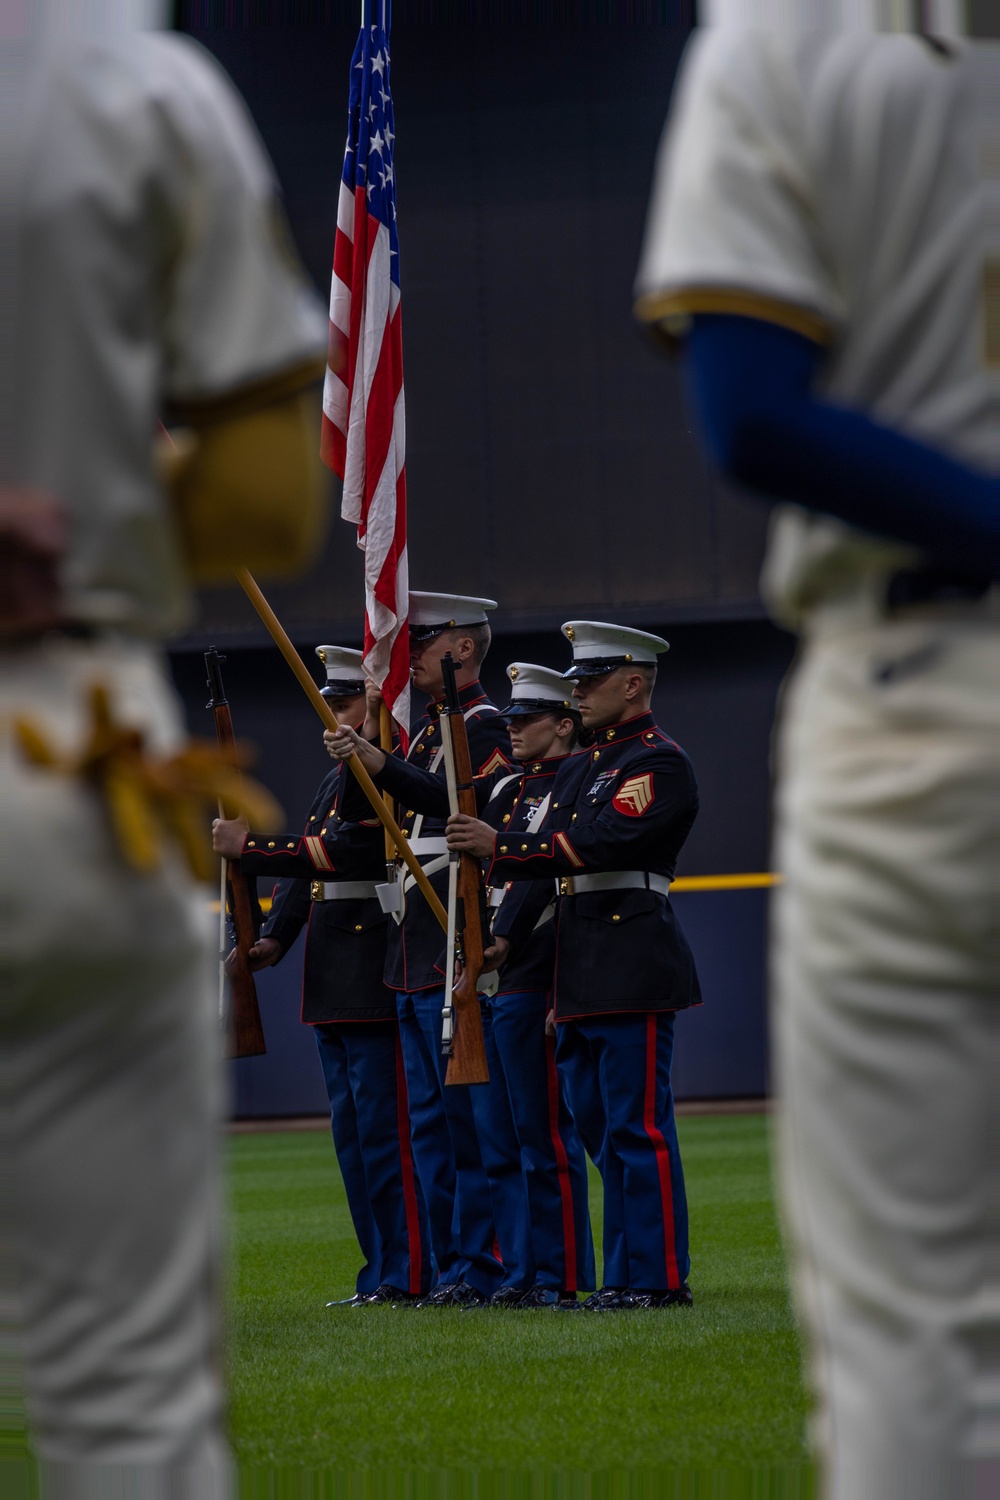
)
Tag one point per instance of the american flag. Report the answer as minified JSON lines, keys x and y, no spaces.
{"x":364,"y":425}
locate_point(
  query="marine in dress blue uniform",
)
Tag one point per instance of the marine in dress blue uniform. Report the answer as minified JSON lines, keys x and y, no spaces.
{"x":529,"y":1144}
{"x":326,"y":883}
{"x":521,"y":1055}
{"x":619,"y":815}
{"x":445,"y":1142}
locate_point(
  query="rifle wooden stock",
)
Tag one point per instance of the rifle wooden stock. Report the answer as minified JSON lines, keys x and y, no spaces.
{"x":246,"y":1033}
{"x":467,"y":1063}
{"x":326,"y":713}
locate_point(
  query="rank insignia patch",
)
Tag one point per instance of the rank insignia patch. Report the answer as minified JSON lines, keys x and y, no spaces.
{"x":634,"y":796}
{"x":496,"y":762}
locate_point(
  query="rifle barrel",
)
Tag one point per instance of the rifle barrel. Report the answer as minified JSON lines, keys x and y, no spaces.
{"x":247,"y":1033}
{"x":467,"y":1060}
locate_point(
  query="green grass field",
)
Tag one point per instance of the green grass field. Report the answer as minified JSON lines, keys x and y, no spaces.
{"x":683,"y":1397}
{"x":376,"y":1404}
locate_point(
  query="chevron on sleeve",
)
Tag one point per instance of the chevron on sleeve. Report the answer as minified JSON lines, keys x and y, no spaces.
{"x":634,"y":796}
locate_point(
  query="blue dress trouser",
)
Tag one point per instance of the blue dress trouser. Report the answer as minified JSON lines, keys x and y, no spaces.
{"x":446,"y":1151}
{"x":363,"y":1068}
{"x":541,"y":1140}
{"x":501,"y":1153}
{"x":645,"y":1205}
{"x":582,"y":1088}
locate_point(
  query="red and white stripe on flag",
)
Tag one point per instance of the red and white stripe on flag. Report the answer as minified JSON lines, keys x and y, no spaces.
{"x":364,"y":423}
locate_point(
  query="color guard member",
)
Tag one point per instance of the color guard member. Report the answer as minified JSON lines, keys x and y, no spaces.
{"x":544,"y":729}
{"x":326,"y":883}
{"x":620,"y":813}
{"x":445,"y":1145}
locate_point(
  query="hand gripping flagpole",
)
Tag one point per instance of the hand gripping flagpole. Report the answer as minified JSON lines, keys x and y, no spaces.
{"x":325,"y":712}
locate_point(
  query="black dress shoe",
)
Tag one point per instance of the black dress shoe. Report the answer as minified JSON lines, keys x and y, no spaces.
{"x":678,"y":1296}
{"x":548,"y":1296}
{"x":454,"y":1294}
{"x":508,"y":1296}
{"x":354,"y":1301}
{"x":390,"y":1296}
{"x":605,"y":1299}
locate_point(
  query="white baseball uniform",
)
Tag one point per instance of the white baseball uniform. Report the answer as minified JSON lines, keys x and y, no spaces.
{"x":847,"y":187}
{"x":152,"y":268}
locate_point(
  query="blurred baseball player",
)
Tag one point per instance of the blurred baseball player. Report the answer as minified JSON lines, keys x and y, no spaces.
{"x":151,"y":280}
{"x":824,"y":236}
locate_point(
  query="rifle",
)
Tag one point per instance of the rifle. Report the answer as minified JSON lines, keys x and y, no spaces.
{"x":246,"y":1031}
{"x":462,"y":1027}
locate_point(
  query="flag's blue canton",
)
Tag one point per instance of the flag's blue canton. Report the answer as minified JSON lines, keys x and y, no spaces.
{"x":370,"y":134}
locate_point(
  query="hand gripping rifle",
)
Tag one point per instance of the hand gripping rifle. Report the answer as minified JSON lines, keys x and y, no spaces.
{"x":246,"y":1031}
{"x":462,"y":1027}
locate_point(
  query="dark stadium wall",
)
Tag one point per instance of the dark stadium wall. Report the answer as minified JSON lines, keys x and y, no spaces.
{"x":550,"y":459}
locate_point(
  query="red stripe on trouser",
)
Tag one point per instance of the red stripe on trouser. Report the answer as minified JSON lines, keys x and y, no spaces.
{"x":409,"y":1181}
{"x":662,"y":1152}
{"x":562,"y":1167}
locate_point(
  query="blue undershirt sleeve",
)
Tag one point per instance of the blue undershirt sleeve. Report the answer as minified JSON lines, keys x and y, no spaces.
{"x":750,"y":384}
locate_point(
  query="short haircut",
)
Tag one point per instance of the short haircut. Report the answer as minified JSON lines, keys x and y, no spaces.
{"x":645,"y":669}
{"x":480,"y":635}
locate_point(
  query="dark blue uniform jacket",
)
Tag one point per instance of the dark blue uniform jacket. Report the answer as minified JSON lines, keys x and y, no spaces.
{"x":626,"y":804}
{"x":415,"y":947}
{"x":346,"y":940}
{"x":506,"y":800}
{"x":532,"y":964}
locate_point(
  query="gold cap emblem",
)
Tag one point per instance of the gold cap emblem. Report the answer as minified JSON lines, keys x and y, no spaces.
{"x":514,"y":674}
{"x":570,"y":633}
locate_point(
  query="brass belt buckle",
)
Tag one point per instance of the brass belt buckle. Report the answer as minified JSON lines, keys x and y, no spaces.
{"x":316,"y":890}
{"x":566,"y":886}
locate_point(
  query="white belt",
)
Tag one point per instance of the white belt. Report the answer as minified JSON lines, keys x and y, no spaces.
{"x":342,"y":890}
{"x":613,"y":880}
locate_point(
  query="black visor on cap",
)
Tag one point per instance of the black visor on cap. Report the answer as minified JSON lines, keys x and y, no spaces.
{"x":342,"y":688}
{"x":428,"y":632}
{"x":599,"y":666}
{"x":519,"y":708}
